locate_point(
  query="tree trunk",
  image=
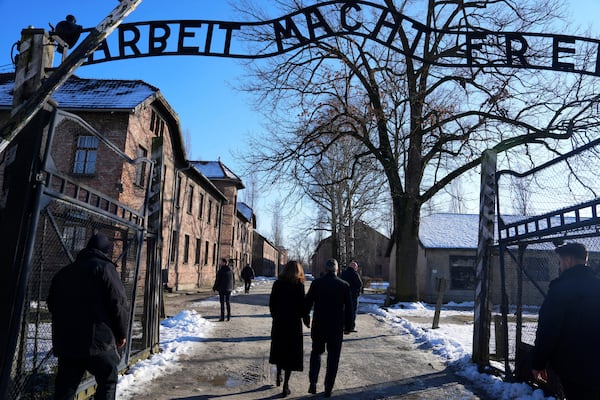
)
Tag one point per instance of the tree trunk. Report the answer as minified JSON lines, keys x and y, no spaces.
{"x":406,"y":224}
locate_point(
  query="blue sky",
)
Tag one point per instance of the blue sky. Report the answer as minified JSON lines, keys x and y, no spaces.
{"x":200,"y":89}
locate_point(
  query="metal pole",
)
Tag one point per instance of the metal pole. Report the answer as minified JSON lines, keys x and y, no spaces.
{"x":482,"y":317}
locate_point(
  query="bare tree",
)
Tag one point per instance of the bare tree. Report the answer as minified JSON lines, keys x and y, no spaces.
{"x":276,"y":224}
{"x":425,"y":125}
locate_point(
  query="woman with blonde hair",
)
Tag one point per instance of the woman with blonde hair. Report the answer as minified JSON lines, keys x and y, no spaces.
{"x":287,"y":309}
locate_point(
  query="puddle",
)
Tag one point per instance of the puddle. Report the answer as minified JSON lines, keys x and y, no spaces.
{"x":220,"y":380}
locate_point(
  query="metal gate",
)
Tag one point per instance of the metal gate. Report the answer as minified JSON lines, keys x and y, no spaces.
{"x":69,"y":211}
{"x":538,"y":210}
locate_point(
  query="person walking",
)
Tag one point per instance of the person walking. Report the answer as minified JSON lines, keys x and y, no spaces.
{"x":286,"y":304}
{"x":332,"y":317}
{"x":569,"y":327}
{"x":90,"y":319}
{"x":224,"y":284}
{"x":350,"y":275}
{"x":247,"y":276}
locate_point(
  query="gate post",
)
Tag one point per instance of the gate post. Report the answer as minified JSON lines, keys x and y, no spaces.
{"x":18,"y":213}
{"x":487,"y":206}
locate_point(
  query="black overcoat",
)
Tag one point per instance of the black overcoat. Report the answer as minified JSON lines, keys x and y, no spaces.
{"x":89,"y":306}
{"x":332,"y":303}
{"x":353,"y":279}
{"x":287,"y":309}
{"x":224,"y":281}
{"x":569,"y":327}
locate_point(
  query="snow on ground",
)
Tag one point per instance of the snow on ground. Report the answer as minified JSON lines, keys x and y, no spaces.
{"x":177,"y":336}
{"x":451,"y":342}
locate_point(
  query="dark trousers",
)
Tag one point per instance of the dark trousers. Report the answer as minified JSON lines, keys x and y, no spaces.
{"x":247,"y":284}
{"x":103,"y":366}
{"x":333,"y":343}
{"x":355,"y":311}
{"x":577,"y":391}
{"x":225,"y":300}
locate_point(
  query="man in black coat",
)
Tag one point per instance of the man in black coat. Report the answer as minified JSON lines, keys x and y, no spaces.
{"x":332,"y":317}
{"x":247,"y":276}
{"x":224,"y":284}
{"x":90,"y":318}
{"x":569,"y":327}
{"x":350,"y":275}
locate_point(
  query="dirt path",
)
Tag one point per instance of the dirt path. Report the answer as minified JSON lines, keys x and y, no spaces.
{"x":232,"y":363}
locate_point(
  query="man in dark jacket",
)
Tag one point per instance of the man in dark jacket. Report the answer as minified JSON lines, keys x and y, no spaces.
{"x":332,"y":317}
{"x":247,"y":276}
{"x":351,"y":276}
{"x":90,"y":318}
{"x":569,"y":327}
{"x":224,"y":284}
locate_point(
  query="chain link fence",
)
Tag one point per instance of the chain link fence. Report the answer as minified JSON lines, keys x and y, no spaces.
{"x":75,"y":203}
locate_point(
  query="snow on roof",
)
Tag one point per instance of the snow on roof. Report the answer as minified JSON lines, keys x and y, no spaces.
{"x":449,"y":231}
{"x":216,"y":170}
{"x":245,"y":210}
{"x":79,"y":93}
{"x":460,"y":231}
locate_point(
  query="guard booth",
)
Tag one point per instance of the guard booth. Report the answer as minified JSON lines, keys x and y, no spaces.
{"x":48,"y":211}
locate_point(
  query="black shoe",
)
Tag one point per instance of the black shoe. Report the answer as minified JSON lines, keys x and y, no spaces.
{"x":286,"y":391}
{"x":221,"y":319}
{"x":312,"y":388}
{"x":228,"y":318}
{"x":327,"y":393}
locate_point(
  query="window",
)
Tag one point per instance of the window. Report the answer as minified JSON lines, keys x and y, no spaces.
{"x":216,"y":215}
{"x":190,"y":199}
{"x":214,"y":258}
{"x":186,"y":248}
{"x":201,"y":206}
{"x":174,"y":245}
{"x":462,"y":272}
{"x":206,"y":253}
{"x":209,"y":211}
{"x":74,"y":237}
{"x":178,"y":192}
{"x":85,"y":155}
{"x":140,"y":168}
{"x":157,"y":124}
{"x":198,"y":249}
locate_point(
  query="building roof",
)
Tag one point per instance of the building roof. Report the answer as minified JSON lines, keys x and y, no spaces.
{"x":460,"y":231}
{"x":89,"y":94}
{"x":217,"y":171}
{"x":449,"y":231}
{"x":245,"y":210}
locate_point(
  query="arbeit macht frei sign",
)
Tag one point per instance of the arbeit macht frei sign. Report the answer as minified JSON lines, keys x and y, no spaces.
{"x":364,"y":19}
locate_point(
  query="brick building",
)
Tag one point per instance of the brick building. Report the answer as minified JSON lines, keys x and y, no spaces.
{"x":267,"y":259}
{"x":370,"y":248}
{"x":135,"y":118}
{"x":237,"y":219}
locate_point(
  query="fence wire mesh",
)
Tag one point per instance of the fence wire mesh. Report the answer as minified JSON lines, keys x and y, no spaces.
{"x":80,"y":198}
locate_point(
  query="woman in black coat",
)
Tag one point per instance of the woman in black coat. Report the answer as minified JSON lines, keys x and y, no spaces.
{"x":287,"y":309}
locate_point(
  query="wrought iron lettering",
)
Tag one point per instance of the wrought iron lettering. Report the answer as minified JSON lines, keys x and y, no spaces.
{"x":347,"y":18}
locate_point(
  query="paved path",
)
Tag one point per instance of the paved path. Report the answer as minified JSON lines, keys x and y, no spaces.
{"x":232,"y":363}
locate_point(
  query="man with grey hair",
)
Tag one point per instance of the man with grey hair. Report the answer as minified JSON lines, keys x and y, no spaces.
{"x":332,"y":317}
